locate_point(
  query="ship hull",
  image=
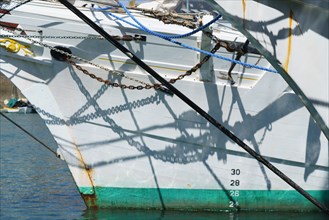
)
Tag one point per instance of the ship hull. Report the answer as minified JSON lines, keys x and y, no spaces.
{"x":130,"y":148}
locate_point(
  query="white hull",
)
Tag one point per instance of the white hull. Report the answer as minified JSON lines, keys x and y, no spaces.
{"x":131,"y":140}
{"x":295,"y":33}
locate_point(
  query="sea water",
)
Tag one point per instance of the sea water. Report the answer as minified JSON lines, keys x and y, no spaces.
{"x":35,"y":184}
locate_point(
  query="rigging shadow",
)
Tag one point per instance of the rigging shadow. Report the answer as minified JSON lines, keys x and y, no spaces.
{"x":309,"y":16}
{"x":188,"y":147}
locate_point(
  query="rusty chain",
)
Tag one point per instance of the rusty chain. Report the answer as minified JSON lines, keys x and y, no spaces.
{"x":109,"y":82}
{"x":197,"y":66}
{"x":147,"y":86}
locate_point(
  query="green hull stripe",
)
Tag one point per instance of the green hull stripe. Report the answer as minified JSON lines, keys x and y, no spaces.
{"x":198,"y":199}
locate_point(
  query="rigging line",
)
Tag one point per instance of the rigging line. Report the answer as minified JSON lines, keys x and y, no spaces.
{"x":31,"y":135}
{"x":194,"y":106}
{"x":201,"y":51}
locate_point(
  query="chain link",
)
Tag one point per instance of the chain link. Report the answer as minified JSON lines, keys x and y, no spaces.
{"x":51,"y":37}
{"x":70,"y":57}
{"x":155,"y":86}
{"x":197,"y":66}
{"x":116,"y":37}
{"x":110,"y":83}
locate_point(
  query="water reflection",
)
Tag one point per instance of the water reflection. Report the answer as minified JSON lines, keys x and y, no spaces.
{"x":180,"y":215}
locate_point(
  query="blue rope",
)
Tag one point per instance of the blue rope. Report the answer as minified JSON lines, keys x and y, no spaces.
{"x":164,"y":36}
{"x":168,"y":36}
{"x":140,"y":26}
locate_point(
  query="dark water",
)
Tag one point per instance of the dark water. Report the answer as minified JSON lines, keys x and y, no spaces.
{"x":34,"y":184}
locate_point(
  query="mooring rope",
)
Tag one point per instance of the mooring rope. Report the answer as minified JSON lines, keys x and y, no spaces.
{"x":31,"y":135}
